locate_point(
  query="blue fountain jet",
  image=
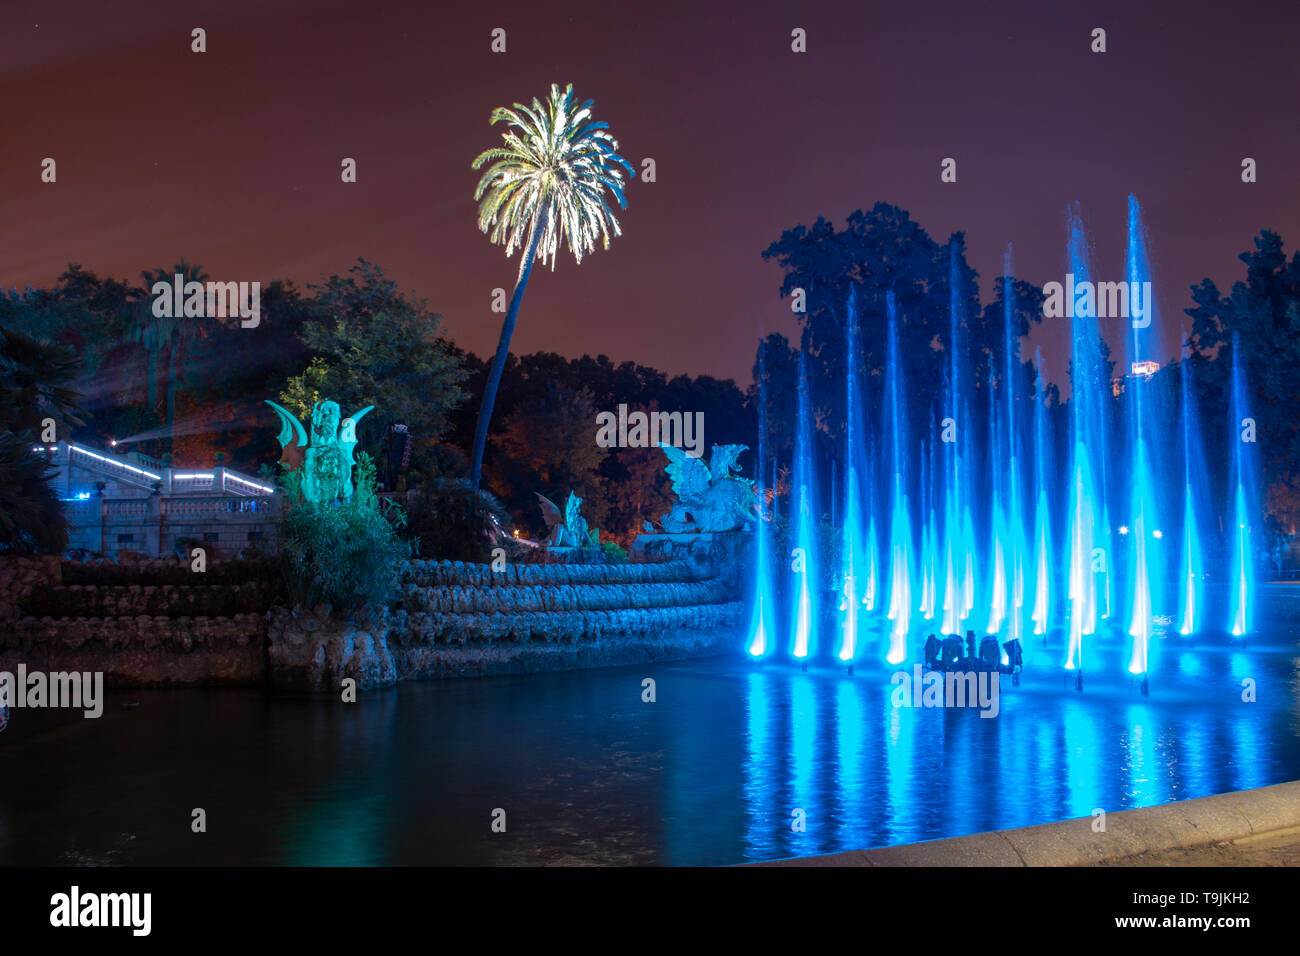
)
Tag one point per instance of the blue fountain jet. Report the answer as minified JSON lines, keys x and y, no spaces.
{"x":853,"y":559}
{"x":1191,"y":561}
{"x":761,"y":631}
{"x":1242,"y":579}
{"x":804,"y":560}
{"x":1041,"y":615}
{"x":900,"y":521}
{"x":1145,"y":558}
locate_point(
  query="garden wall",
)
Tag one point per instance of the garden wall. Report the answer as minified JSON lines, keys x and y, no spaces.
{"x":157,"y":622}
{"x":140,"y":622}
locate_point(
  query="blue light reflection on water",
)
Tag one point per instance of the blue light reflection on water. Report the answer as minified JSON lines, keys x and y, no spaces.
{"x":589,"y":773}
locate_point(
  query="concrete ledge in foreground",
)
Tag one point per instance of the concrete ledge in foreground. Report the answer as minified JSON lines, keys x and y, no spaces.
{"x":1169,"y":826}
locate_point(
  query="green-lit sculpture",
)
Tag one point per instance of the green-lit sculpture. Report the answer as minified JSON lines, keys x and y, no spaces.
{"x":567,"y":530}
{"x":327,"y":461}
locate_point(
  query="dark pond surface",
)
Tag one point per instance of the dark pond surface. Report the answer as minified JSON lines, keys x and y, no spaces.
{"x":710,"y":773}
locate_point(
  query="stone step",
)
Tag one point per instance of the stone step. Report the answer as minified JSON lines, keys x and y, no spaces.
{"x":168,"y":600}
{"x":560,"y":627}
{"x":565,"y":597}
{"x":446,"y":573}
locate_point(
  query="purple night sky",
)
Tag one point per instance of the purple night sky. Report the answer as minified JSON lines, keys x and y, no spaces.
{"x":231,"y":158}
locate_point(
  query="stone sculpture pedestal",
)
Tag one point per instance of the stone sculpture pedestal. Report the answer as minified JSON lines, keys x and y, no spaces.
{"x":722,"y":550}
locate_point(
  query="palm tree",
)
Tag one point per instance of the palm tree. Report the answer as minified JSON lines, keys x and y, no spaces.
{"x":36,"y":377}
{"x":545,"y":184}
{"x":35,"y":383}
{"x":173,"y":332}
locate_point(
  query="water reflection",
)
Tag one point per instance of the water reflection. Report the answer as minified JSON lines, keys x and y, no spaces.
{"x":589,"y":773}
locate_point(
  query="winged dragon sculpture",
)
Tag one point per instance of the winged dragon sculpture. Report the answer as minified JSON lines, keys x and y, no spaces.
{"x":710,"y":497}
{"x":327,"y":460}
{"x":567,"y":530}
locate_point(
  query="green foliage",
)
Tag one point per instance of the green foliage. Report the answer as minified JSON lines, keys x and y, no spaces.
{"x":454,"y":521}
{"x":31,"y":517}
{"x":1264,"y":312}
{"x":879,"y":252}
{"x":346,"y":555}
{"x":550,"y":448}
{"x":34,"y":386}
{"x":302,"y":392}
{"x":550,"y":175}
{"x":614,"y":553}
{"x":628,"y":485}
{"x":35,"y":377}
{"x":373,"y":345}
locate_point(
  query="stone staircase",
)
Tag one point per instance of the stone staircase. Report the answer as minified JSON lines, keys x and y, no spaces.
{"x":446,"y":602}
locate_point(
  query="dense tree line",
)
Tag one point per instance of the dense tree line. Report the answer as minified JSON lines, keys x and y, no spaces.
{"x":191,"y":390}
{"x":884,"y":251}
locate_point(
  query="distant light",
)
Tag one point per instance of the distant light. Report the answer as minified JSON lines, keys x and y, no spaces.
{"x":1157,"y":533}
{"x":1123,"y":529}
{"x":250,"y":484}
{"x":113,"y":442}
{"x":113,"y":461}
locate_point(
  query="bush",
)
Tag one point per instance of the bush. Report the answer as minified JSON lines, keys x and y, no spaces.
{"x":454,"y":521}
{"x":614,"y":553}
{"x":344,"y":554}
{"x":32,"y":520}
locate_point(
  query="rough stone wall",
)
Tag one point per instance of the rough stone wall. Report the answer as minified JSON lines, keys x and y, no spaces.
{"x":21,"y":576}
{"x":143,"y":650}
{"x":60,"y":615}
{"x":445,"y":573}
{"x":155,"y":621}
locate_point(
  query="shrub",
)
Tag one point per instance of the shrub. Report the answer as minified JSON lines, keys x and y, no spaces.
{"x":454,"y":521}
{"x":344,"y":554}
{"x":614,"y":553}
{"x":32,"y":520}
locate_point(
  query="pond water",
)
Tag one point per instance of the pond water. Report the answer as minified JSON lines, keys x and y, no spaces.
{"x":711,"y":772}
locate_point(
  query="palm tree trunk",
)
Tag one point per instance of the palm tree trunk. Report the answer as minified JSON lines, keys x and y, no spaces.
{"x":151,"y":398}
{"x":503,"y":350}
{"x":171,"y":390}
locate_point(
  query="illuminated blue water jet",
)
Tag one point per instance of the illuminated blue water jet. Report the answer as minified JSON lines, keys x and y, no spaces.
{"x":1192,"y":567}
{"x":1041,"y":615}
{"x":853,"y":560}
{"x":1242,"y":579}
{"x":1088,"y":533}
{"x":929,"y":530}
{"x":900,"y":520}
{"x":958,"y":531}
{"x":1145,"y":570}
{"x":761,"y":631}
{"x":978,"y":519}
{"x":804,"y":561}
